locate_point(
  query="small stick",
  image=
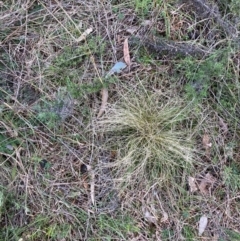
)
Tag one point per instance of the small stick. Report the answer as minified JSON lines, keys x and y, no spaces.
{"x":104,"y":93}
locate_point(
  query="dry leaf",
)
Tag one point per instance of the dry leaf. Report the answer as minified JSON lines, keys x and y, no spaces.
{"x":203,"y":186}
{"x":132,"y":30}
{"x":223,"y":126}
{"x":150,"y":218}
{"x":206,"y":144}
{"x":210,"y":178}
{"x":84,"y":172}
{"x":146,"y":23}
{"x":126,"y":54}
{"x":202,"y":225}
{"x":84,"y":35}
{"x":206,"y":141}
{"x":207,"y":183}
{"x":104,"y":102}
{"x":85,"y":185}
{"x":92,"y":184}
{"x":192,"y":184}
{"x":117,"y":68}
{"x":164,"y":219}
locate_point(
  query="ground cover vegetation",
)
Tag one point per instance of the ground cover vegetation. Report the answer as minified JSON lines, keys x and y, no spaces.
{"x":146,"y":152}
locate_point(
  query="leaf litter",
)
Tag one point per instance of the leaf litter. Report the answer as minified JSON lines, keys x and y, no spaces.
{"x":192,"y":184}
{"x":117,"y":68}
{"x":206,"y":144}
{"x":202,"y":225}
{"x":126,"y":54}
{"x":207,"y":183}
{"x":104,"y":93}
{"x":84,"y":35}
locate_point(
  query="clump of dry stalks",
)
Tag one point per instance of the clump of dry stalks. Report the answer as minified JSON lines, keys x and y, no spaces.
{"x":148,"y":132}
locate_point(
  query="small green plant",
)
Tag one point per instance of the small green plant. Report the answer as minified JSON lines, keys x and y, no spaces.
{"x":119,"y":226}
{"x":143,"y":6}
{"x":232,"y":235}
{"x":188,"y":233}
{"x":148,"y":132}
{"x":235,"y":7}
{"x":9,"y":206}
{"x":1,"y":202}
{"x":68,"y":65}
{"x":56,"y":111}
{"x":7,"y":144}
{"x":79,"y":91}
{"x":167,"y":234}
{"x":204,"y":75}
{"x":231,"y":177}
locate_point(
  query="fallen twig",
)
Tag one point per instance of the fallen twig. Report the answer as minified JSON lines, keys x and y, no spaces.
{"x":104,"y":93}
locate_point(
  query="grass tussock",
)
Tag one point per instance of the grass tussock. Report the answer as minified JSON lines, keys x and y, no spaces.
{"x":151,"y":137}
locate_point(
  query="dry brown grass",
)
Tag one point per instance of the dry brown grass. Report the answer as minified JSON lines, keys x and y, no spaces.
{"x":56,"y":183}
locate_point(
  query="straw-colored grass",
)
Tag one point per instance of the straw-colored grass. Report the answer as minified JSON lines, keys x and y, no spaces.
{"x":150,"y":135}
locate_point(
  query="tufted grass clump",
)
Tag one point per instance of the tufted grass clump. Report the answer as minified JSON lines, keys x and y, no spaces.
{"x":152,"y":138}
